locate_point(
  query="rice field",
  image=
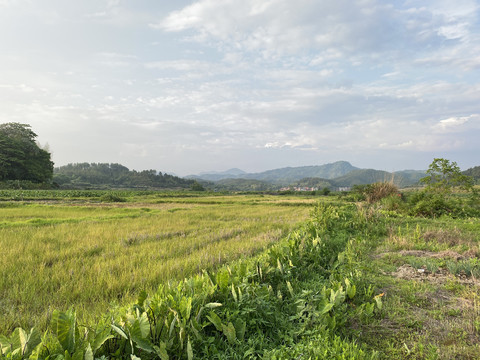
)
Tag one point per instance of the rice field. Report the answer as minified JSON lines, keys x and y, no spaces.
{"x":93,"y":255}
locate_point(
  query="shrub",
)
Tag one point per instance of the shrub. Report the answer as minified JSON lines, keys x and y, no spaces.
{"x":423,"y":203}
{"x":393,"y":203}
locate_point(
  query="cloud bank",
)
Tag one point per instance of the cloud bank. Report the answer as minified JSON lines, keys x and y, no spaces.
{"x":255,"y":84}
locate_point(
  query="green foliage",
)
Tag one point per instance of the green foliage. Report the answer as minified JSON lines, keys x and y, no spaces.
{"x":20,"y":344}
{"x":196,"y":186}
{"x":438,"y":197}
{"x":242,"y":185}
{"x":85,"y":175}
{"x":378,"y":191}
{"x":474,"y":173}
{"x":443,"y":176}
{"x":20,"y":156}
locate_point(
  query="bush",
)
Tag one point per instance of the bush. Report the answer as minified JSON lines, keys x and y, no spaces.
{"x":380,"y":190}
{"x":393,"y":203}
{"x":374,"y":192}
{"x":432,"y":205}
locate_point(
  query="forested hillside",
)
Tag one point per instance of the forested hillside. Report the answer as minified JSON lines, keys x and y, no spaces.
{"x":287,"y":175}
{"x":85,"y":175}
{"x":473,"y":172}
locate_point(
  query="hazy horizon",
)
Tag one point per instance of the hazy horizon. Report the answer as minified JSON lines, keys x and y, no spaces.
{"x":186,"y":87}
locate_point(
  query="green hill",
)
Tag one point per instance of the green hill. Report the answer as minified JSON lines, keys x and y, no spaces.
{"x":368,"y":176}
{"x":411,"y":177}
{"x":312,"y":182}
{"x":473,"y":172}
{"x":285,"y":176}
{"x":242,"y":185}
{"x":85,"y":175}
{"x":290,"y":174}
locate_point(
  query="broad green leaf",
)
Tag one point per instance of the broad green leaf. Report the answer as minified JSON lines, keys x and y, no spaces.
{"x":189,"y":350}
{"x":213,"y":305}
{"x":223,"y":278}
{"x":31,"y":342}
{"x":119,"y":331}
{"x":290,"y":289}
{"x":78,"y":355}
{"x":100,"y":337}
{"x":195,"y":329}
{"x":89,"y":353}
{"x":215,"y":320}
{"x":64,"y":324}
{"x":4,"y":344}
{"x":369,"y":308}
{"x":378,"y":301}
{"x":141,"y":298}
{"x":240,"y":295}
{"x":14,"y":344}
{"x":139,"y":332}
{"x":332,"y":322}
{"x":240,"y":327}
{"x":161,"y":351}
{"x":327,"y":308}
{"x":181,"y":336}
{"x":337,"y":297}
{"x":279,"y":265}
{"x":22,"y":338}
{"x":188,"y":309}
{"x":172,"y":326}
{"x":351,"y":291}
{"x":229,"y":332}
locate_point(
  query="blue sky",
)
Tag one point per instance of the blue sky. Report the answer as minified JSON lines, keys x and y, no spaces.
{"x":192,"y":86}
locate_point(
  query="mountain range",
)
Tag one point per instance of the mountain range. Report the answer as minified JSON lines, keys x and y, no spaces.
{"x":337,"y":174}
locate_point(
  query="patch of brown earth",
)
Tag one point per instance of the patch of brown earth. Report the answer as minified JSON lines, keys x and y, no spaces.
{"x":447,"y":254}
{"x":408,"y":272}
{"x":450,"y":237}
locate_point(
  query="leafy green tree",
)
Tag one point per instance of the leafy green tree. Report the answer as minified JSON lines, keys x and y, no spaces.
{"x":443,"y":176}
{"x":196,"y":186}
{"x":20,"y":156}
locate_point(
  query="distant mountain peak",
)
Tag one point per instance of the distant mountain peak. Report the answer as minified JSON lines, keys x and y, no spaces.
{"x":284,"y":175}
{"x":233,"y":171}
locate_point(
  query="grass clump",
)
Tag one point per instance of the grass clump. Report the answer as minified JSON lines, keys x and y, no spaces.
{"x":378,"y":191}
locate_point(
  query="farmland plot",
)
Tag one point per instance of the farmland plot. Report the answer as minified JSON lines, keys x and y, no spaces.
{"x":91,"y":254}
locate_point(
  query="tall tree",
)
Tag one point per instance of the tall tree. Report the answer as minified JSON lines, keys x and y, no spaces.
{"x":20,"y":156}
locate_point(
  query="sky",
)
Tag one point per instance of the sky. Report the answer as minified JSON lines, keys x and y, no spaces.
{"x":191,"y":86}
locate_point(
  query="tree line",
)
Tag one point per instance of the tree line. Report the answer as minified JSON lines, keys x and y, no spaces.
{"x":95,"y":175}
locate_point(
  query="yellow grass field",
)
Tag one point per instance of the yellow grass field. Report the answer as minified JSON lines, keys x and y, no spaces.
{"x":89,"y":254}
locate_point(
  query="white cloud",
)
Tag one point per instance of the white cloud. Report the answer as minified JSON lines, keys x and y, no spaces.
{"x":457,"y":124}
